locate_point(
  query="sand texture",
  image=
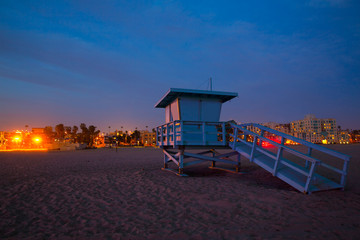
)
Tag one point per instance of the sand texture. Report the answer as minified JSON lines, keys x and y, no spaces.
{"x":103,"y":194}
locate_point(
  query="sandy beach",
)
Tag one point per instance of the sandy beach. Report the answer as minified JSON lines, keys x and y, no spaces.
{"x":104,"y":194}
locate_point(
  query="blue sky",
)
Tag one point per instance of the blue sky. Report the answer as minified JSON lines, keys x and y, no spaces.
{"x":108,"y":62}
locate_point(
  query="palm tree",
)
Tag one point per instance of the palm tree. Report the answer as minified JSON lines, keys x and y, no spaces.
{"x":49,"y":134}
{"x":122,"y":139}
{"x":73,"y":133}
{"x":84,"y":136}
{"x":60,"y":131}
{"x":135,"y":136}
{"x":92,"y":134}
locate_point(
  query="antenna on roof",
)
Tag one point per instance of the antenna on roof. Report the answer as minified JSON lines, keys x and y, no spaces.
{"x":210,"y":84}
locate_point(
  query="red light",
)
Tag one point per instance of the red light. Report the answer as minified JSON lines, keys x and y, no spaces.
{"x":266,"y":144}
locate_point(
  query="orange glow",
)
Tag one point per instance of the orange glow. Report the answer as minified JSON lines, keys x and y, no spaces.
{"x":24,"y":150}
{"x":17,"y":139}
{"x":37,"y":139}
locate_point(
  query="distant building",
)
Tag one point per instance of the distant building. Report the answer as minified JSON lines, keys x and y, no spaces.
{"x":315,"y":130}
{"x":355,"y":137}
{"x":148,"y":138}
{"x":311,"y":129}
{"x":344,"y":137}
{"x":285,"y":128}
{"x":329,"y":130}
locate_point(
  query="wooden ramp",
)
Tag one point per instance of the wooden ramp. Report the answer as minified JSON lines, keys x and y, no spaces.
{"x":293,"y":174}
{"x":303,"y":178}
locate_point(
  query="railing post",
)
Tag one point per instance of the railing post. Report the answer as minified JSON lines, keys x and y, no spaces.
{"x":167,"y":135}
{"x":170,"y":133}
{"x":236,"y":131}
{"x":162,"y":135}
{"x":310,"y":176}
{"x":181,"y":133}
{"x":253,"y":149}
{"x":173,"y":134}
{"x":278,"y":156}
{"x":261,"y":134}
{"x":204,"y":133}
{"x":307,"y":161}
{"x":224,"y":133}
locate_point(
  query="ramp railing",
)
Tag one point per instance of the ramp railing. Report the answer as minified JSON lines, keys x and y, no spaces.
{"x":191,"y":133}
{"x":298,"y":176}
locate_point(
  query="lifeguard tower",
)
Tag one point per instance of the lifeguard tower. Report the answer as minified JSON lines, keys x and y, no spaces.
{"x":192,"y":122}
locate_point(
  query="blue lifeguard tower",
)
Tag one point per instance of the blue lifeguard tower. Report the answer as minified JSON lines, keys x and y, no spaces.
{"x":192,"y":121}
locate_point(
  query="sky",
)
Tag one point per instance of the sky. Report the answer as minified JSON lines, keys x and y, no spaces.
{"x":107,"y":63}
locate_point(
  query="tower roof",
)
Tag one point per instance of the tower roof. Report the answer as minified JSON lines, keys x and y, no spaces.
{"x":174,"y":93}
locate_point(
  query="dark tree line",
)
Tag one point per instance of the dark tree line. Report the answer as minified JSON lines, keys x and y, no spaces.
{"x":72,"y":134}
{"x":136,"y":136}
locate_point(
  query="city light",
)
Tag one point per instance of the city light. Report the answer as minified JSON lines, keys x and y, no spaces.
{"x":17,"y":139}
{"x":37,"y":139}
